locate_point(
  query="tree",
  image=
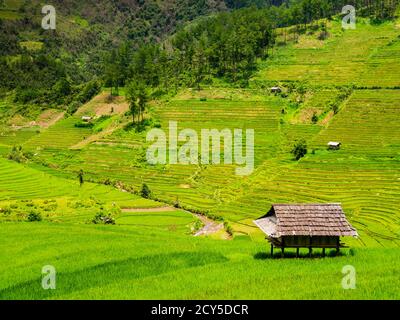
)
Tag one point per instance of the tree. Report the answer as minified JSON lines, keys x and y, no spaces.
{"x":300,"y":149}
{"x":138,"y":98}
{"x":81,"y":177}
{"x":143,"y":99}
{"x":145,"y":192}
{"x":132,"y":96}
{"x":314,"y":118}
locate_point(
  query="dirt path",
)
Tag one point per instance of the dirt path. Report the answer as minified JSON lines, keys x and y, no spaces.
{"x":210,"y":226}
{"x":50,"y":118}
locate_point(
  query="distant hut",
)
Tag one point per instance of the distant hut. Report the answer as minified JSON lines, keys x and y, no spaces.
{"x":276,"y":90}
{"x":305,"y":226}
{"x":334,"y":145}
{"x":86,"y":118}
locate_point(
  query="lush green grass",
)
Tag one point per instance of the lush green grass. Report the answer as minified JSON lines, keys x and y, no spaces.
{"x":19,"y":185}
{"x":120,"y":262}
{"x":174,"y":221}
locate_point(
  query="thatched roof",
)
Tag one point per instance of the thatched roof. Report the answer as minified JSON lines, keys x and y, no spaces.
{"x":306,"y":220}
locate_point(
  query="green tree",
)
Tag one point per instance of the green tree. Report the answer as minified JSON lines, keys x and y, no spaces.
{"x":145,"y":192}
{"x":81,"y":178}
{"x":300,"y":149}
{"x":133,"y":99}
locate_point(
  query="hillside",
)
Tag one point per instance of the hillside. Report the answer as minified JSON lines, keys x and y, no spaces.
{"x":365,"y":125}
{"x":77,"y":192}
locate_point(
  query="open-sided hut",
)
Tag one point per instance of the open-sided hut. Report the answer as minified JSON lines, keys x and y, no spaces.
{"x":333,"y":145}
{"x":276,"y":90}
{"x":305,"y":226}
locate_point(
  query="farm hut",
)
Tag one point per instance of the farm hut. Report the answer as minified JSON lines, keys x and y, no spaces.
{"x":276,"y":90}
{"x":86,"y":118}
{"x":334,"y":145}
{"x":305,"y":226}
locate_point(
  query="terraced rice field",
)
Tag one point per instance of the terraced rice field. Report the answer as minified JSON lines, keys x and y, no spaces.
{"x":368,"y":126}
{"x":121,"y":156}
{"x":364,"y":175}
{"x":18,"y":182}
{"x":365,"y":57}
{"x":62,"y":135}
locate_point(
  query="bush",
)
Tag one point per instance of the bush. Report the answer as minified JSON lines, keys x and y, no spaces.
{"x":314,"y":118}
{"x":300,"y":149}
{"x":34,"y":216}
{"x":228,"y":228}
{"x":17,"y":155}
{"x":103,"y":218}
{"x":83,"y":124}
{"x":145,"y":192}
{"x":177,"y":203}
{"x":6,"y":211}
{"x":323,"y":35}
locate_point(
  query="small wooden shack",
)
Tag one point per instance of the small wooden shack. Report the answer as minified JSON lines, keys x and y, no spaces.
{"x":334,"y":145}
{"x":86,"y":118}
{"x":305,"y":226}
{"x":276,"y":90}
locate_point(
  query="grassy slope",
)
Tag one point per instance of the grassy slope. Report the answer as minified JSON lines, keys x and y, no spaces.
{"x":144,"y":260}
{"x":373,"y":113}
{"x":94,"y":262}
{"x":367,"y":56}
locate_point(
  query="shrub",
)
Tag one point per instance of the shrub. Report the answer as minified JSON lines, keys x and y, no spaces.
{"x":323,"y":35}
{"x":83,"y":124}
{"x":335,"y":108}
{"x":228,"y":228}
{"x":145,"y":192}
{"x":197,"y":226}
{"x":6,"y":211}
{"x":17,"y":155}
{"x":103,"y":218}
{"x":34,"y":216}
{"x":157,"y":124}
{"x":300,"y":149}
{"x":177,"y":203}
{"x":314,"y":118}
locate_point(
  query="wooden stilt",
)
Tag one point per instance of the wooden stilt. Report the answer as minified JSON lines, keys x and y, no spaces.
{"x":338,"y":246}
{"x":323,"y":252}
{"x":283,"y":252}
{"x":297,"y":252}
{"x":272,"y":250}
{"x":310,"y":252}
